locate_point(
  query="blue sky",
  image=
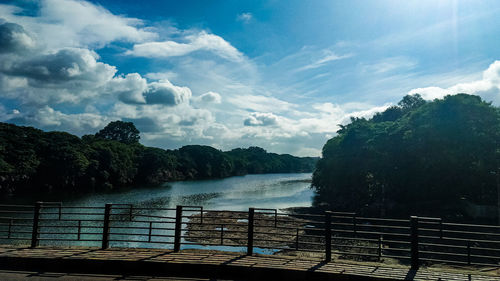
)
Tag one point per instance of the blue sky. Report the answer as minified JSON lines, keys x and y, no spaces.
{"x":277,"y":74}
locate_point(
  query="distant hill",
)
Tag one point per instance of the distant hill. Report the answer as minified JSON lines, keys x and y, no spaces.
{"x":34,"y":161}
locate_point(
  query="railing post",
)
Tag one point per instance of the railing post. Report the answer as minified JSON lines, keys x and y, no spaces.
{"x":60,"y":210}
{"x":222,"y":234}
{"x":201,"y":215}
{"x":178,"y":228}
{"x":10,"y":229}
{"x":379,"y":247}
{"x":275,"y":218}
{"x":105,"y":226}
{"x":440,"y":228}
{"x":468,"y":252}
{"x":297,"y":240}
{"x":354,"y":228}
{"x":150,"y":231}
{"x":328,"y":236}
{"x":251,"y":213}
{"x":36,"y":219}
{"x":79,"y":229}
{"x":130,"y":212}
{"x":414,"y":242}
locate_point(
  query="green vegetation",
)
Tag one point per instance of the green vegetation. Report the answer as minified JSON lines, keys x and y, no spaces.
{"x":419,"y":158}
{"x":36,"y":162}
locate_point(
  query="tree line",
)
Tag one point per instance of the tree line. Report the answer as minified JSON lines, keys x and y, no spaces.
{"x":34,"y":162}
{"x":420,"y":157}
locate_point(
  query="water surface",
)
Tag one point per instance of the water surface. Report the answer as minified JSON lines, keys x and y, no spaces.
{"x":235,"y":193}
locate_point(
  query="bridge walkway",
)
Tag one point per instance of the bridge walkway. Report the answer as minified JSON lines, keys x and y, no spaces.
{"x":200,"y":263}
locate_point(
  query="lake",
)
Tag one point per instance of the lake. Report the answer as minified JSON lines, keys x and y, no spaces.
{"x":275,"y":191}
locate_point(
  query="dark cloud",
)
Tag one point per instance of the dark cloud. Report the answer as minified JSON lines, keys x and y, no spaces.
{"x":63,"y":67}
{"x":14,"y":39}
{"x":145,"y":124}
{"x":167,"y":94}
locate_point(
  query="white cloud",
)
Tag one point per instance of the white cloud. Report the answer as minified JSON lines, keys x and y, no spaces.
{"x":390,"y":64}
{"x":261,"y":119}
{"x":164,"y":92}
{"x":488,"y":87}
{"x":79,"y":24}
{"x":209,"y":97}
{"x":67,"y":75}
{"x":201,"y":41}
{"x":328,"y":56}
{"x":48,"y":118}
{"x":129,"y":88}
{"x":260,"y":103}
{"x":244,"y":17}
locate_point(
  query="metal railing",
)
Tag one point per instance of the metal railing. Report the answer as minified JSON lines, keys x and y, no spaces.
{"x":415,"y":240}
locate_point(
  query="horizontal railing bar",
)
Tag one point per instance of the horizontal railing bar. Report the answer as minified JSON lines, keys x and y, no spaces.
{"x":486,"y":257}
{"x":47,"y":219}
{"x":443,"y":253}
{"x":140,"y":241}
{"x":16,"y":212}
{"x":460,"y":239}
{"x":140,"y":221}
{"x":355,"y":254}
{"x":485,"y":249}
{"x":397,"y":249}
{"x":382,"y":219}
{"x":354,"y":238}
{"x":354,"y":246}
{"x":153,"y":216}
{"x":444,"y":261}
{"x":146,"y":208}
{"x":470,"y":232}
{"x":225,"y":211}
{"x":471,"y":225}
{"x":443,"y":245}
{"x":80,"y":207}
{"x":70,"y":213}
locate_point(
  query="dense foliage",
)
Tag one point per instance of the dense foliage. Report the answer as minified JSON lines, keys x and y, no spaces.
{"x":423,"y":158}
{"x":33,"y":161}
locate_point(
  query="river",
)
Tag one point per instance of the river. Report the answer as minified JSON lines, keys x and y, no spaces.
{"x":272,"y":191}
{"x":277,"y":191}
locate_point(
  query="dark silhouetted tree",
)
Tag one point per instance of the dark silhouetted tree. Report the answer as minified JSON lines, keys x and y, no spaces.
{"x":124,"y":132}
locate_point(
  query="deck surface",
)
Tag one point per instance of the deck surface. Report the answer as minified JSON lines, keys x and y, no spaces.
{"x":195,"y":263}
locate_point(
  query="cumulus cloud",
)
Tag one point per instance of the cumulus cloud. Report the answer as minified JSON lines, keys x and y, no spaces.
{"x":209,"y":97}
{"x":51,"y":119}
{"x":66,"y":75}
{"x":78,"y":24}
{"x":129,"y":88}
{"x":201,"y":41}
{"x":66,"y":66}
{"x":164,"y":92}
{"x":261,"y":119}
{"x":488,"y":87}
{"x":14,"y":39}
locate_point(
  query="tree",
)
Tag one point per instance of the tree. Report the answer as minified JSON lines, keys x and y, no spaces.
{"x":124,"y":132}
{"x":427,"y":159}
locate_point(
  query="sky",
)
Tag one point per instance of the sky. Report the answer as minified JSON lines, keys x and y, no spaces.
{"x":281,"y":75}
